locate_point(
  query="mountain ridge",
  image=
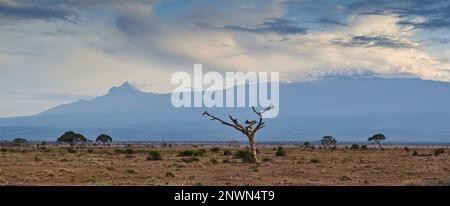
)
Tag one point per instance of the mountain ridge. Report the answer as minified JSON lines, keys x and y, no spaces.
{"x":349,"y":108}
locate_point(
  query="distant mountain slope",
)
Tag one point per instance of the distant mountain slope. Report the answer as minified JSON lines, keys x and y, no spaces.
{"x":348,"y":108}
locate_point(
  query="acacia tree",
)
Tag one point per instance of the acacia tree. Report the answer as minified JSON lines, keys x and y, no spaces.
{"x":328,"y":142}
{"x":72,"y":138}
{"x":249,"y":130}
{"x":104,"y":138}
{"x":377,"y":138}
{"x":19,"y":141}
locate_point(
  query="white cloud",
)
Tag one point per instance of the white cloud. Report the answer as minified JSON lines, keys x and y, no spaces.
{"x":130,"y":43}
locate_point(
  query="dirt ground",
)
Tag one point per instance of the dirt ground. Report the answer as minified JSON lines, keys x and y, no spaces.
{"x":113,"y":165}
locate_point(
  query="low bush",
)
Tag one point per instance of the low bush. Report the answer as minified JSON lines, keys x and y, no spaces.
{"x":344,"y":178}
{"x":186,"y":153}
{"x":227,"y":152}
{"x":214,"y":149}
{"x":439,"y":151}
{"x":169,"y":175}
{"x":195,"y":153}
{"x":214,"y":161}
{"x":244,"y":155}
{"x":127,"y":151}
{"x":355,"y":146}
{"x":154,"y":155}
{"x":280,"y":152}
{"x":71,"y":150}
{"x":190,"y":159}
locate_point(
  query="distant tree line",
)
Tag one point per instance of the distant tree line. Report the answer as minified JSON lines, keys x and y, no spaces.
{"x":73,"y":138}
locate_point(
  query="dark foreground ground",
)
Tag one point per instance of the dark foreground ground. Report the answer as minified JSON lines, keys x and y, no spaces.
{"x":121,"y":165}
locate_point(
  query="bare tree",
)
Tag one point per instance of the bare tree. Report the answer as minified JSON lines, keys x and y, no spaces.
{"x":249,"y":130}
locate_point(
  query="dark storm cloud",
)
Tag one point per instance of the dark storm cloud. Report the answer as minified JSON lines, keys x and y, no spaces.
{"x":32,"y":10}
{"x":280,"y":26}
{"x":436,"y":13}
{"x":372,"y":41}
{"x":330,"y":21}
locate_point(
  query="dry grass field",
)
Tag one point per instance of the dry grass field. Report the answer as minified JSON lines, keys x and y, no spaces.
{"x":113,"y":165}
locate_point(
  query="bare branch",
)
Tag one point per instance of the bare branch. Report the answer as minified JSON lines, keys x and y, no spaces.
{"x":241,"y":129}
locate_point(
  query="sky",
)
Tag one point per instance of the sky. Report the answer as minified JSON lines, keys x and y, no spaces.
{"x":59,"y":51}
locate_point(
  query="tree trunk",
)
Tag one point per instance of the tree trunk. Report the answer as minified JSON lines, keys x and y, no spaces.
{"x":379,"y":145}
{"x":251,"y":140}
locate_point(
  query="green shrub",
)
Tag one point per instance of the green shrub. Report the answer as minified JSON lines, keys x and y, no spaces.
{"x":214,"y":161}
{"x":190,"y":159}
{"x":244,"y":155}
{"x":189,"y":153}
{"x":227,"y":152}
{"x":280,"y":152}
{"x":71,"y":150}
{"x":314,"y":160}
{"x":355,"y":146}
{"x":127,"y":151}
{"x":439,"y":151}
{"x":154,"y":155}
{"x":364,"y":147}
{"x":200,"y":153}
{"x":130,"y":171}
{"x":186,"y":153}
{"x":266,"y":160}
{"x":169,"y":175}
{"x":406,"y":149}
{"x":306,"y":144}
{"x":344,"y":178}
{"x":215,"y":149}
{"x":415,"y":153}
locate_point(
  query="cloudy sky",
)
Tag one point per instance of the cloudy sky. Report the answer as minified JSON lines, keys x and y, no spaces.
{"x":58,"y":51}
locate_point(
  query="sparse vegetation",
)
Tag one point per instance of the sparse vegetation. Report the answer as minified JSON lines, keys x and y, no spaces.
{"x":364,"y":147}
{"x":72,"y":138}
{"x":306,"y":144}
{"x":328,"y":142}
{"x":127,"y":151}
{"x":317,"y":167}
{"x":213,"y":160}
{"x":406,"y":149}
{"x":190,"y":159}
{"x":344,"y":178}
{"x":266,"y":160}
{"x":194,"y":153}
{"x":438,"y":151}
{"x":354,"y":146}
{"x":154,"y":155}
{"x":104,"y":138}
{"x":71,"y":150}
{"x":215,"y":149}
{"x":280,"y":152}
{"x":169,"y":175}
{"x":227,"y":152}
{"x":377,"y":138}
{"x":244,"y":155}
{"x":130,"y":171}
{"x":186,"y":153}
{"x":18,"y":141}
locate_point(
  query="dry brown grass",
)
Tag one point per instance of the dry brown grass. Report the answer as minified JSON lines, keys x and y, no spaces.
{"x":106,"y":166}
